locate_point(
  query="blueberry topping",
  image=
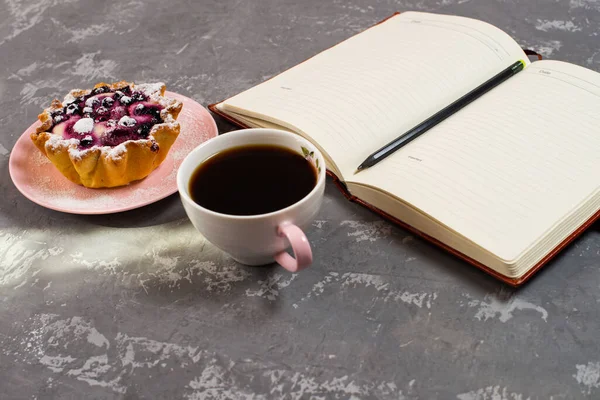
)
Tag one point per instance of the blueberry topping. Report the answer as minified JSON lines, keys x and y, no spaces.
{"x":154,"y":147}
{"x":155,"y":112}
{"x":58,"y":117}
{"x":92,"y":102}
{"x":102,"y":114}
{"x":72,"y":109}
{"x":101,"y":89}
{"x":122,"y":115}
{"x":144,"y":130}
{"x":120,"y":131}
{"x":107,"y":102}
{"x":138,"y":97}
{"x":102,"y":110}
{"x":117,"y":112}
{"x":86,"y":141}
{"x":125,"y":100}
{"x":127,"y":122}
{"x":139,"y":109}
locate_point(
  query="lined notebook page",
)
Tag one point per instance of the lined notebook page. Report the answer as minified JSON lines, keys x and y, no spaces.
{"x":367,"y":90}
{"x":510,"y":166}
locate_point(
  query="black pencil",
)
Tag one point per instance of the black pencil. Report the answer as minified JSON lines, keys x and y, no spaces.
{"x":440,"y":116}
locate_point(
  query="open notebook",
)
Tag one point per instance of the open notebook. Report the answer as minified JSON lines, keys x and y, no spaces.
{"x":505,"y":183}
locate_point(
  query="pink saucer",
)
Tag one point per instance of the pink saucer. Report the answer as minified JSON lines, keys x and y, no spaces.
{"x":38,"y":180}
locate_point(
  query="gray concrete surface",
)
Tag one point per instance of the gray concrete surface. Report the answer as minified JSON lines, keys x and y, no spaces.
{"x":136,"y":305}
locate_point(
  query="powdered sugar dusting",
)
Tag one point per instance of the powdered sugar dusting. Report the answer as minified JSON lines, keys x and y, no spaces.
{"x":57,"y":191}
{"x":127,"y":121}
{"x":77,"y":154}
{"x":38,"y":159}
{"x":150,"y":88}
{"x":84,"y":125}
{"x":117,"y":152}
{"x":71,"y":199}
{"x":90,"y":101}
{"x":55,"y":142}
{"x":68,"y":99}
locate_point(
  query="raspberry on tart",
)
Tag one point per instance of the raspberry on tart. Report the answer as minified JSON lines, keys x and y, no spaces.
{"x":111,"y":135}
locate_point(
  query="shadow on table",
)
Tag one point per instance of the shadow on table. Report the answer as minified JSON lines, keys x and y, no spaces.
{"x":163,"y":211}
{"x":444,"y":266}
{"x":440,"y":267}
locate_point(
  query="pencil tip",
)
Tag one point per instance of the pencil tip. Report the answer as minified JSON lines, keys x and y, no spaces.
{"x":358,"y":170}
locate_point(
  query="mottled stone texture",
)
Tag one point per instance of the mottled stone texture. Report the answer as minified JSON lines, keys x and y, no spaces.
{"x":137,"y":305}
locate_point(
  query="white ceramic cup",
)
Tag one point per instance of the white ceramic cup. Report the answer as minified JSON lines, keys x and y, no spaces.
{"x":263,"y":238}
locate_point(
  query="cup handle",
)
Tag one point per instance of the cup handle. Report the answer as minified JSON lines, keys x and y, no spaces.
{"x":300,"y":246}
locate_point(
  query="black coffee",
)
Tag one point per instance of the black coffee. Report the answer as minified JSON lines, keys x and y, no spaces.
{"x":250,"y":180}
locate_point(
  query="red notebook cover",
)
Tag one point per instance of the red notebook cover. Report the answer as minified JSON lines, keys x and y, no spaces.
{"x":510,"y":281}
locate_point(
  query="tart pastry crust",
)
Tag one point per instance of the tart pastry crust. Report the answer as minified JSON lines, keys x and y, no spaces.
{"x":101,"y":166}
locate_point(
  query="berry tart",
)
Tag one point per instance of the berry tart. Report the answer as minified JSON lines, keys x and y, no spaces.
{"x":111,"y":135}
